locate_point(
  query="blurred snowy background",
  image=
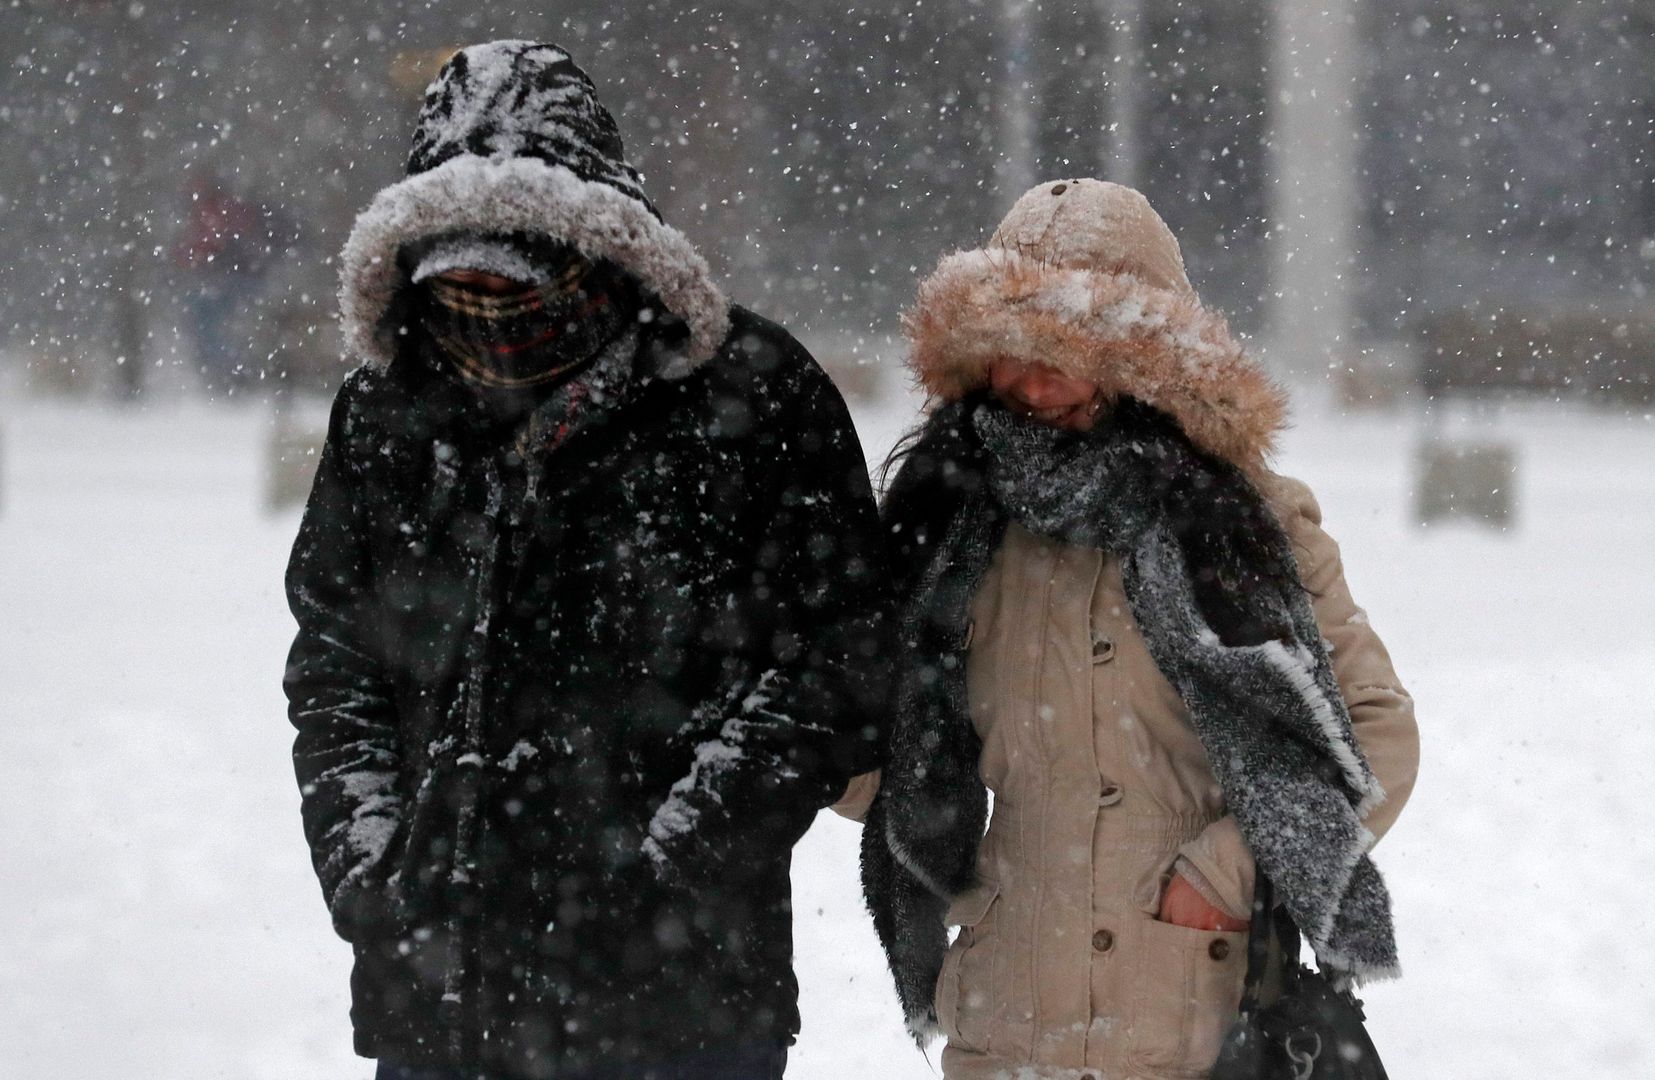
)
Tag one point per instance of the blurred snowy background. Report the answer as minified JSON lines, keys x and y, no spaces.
{"x":1435,"y":218}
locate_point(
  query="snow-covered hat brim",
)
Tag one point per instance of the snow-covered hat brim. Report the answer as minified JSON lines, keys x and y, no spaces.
{"x":527,"y":195}
{"x":469,"y":253}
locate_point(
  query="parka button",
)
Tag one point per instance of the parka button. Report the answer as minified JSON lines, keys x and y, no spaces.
{"x":1109,"y":795}
{"x":1103,"y":941}
{"x":1103,"y":651}
{"x":1219,"y":949}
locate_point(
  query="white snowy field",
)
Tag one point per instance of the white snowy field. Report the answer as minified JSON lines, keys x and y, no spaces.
{"x":158,"y":918}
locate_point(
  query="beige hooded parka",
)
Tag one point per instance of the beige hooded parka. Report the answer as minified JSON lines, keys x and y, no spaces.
{"x":1101,"y":788}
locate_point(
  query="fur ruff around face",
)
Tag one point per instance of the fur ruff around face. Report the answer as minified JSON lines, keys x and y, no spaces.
{"x":476,"y":194}
{"x":1128,"y":337}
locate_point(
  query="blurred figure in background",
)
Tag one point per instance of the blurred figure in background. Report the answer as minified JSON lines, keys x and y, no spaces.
{"x":588,"y":593}
{"x":1123,"y":624}
{"x":226,"y":249}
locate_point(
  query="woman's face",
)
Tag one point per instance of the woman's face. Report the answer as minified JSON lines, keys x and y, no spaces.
{"x":1046,"y":394}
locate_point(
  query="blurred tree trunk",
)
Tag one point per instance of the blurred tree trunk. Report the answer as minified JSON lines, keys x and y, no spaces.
{"x":126,"y":281}
{"x":120,"y":36}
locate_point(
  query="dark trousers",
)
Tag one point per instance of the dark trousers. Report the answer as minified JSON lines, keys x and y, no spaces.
{"x":733,"y":1063}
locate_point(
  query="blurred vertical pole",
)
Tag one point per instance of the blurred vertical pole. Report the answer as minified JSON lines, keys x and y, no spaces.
{"x":1014,"y":168}
{"x":125,"y":280}
{"x":1312,"y":145}
{"x":1121,"y":158}
{"x":123,"y":31}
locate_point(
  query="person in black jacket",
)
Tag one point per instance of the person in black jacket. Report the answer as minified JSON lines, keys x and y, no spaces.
{"x":589,"y":592}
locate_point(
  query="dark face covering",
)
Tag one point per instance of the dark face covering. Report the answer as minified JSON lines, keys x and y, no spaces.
{"x":514,"y":348}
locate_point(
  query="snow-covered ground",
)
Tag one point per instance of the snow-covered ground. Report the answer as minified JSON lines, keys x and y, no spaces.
{"x":158,"y":918}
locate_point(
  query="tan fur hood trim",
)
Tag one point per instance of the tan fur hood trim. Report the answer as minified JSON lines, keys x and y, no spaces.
{"x":1130,"y":338}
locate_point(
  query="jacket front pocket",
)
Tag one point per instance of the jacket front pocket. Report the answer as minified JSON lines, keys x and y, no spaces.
{"x":965,"y":1002}
{"x":1188,"y":995}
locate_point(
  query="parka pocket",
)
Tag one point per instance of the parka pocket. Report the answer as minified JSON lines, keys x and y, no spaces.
{"x":965,"y":1002}
{"x":1187,"y":997}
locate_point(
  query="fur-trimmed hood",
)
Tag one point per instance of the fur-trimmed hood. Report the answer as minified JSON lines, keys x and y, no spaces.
{"x":1085,"y":277}
{"x":512,"y":139}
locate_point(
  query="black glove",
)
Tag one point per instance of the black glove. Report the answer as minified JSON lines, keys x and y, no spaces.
{"x":365,"y":906}
{"x":678,"y":856}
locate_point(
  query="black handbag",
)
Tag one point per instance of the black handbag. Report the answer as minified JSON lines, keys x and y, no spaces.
{"x":1313,"y":1031}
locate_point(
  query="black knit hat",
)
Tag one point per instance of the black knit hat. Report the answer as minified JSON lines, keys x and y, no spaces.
{"x":522,"y":99}
{"x":512,"y":141}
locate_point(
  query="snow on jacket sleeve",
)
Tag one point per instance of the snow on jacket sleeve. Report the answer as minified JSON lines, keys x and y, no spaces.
{"x":803,"y":717}
{"x":346,"y":752}
{"x":1217,"y":862}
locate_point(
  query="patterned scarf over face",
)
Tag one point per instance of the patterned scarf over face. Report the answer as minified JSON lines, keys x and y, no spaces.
{"x":532,"y":338}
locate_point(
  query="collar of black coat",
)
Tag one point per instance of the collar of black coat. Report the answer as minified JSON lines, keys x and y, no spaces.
{"x":523,"y":195}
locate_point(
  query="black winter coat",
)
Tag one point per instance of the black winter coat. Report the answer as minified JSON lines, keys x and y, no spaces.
{"x":498,"y":680}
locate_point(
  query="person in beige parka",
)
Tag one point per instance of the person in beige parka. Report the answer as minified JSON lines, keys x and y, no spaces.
{"x":1095,"y":619}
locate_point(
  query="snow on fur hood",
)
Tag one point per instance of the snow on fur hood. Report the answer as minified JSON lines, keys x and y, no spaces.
{"x":1084,"y":276}
{"x":512,"y":139}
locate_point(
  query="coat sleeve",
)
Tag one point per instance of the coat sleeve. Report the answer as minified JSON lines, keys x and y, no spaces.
{"x":346,"y":753}
{"x":802,"y":717}
{"x":1217,"y":862}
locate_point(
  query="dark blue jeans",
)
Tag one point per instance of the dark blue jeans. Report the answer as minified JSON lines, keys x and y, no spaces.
{"x":743,"y":1063}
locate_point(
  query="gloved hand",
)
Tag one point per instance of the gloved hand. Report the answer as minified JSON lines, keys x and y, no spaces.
{"x":364,"y":905}
{"x":676,"y":854}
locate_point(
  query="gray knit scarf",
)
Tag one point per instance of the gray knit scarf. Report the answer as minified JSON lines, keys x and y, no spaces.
{"x":1259,"y":687}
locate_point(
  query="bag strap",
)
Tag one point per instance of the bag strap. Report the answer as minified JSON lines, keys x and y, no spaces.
{"x":1259,"y":933}
{"x":1270,"y":923}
